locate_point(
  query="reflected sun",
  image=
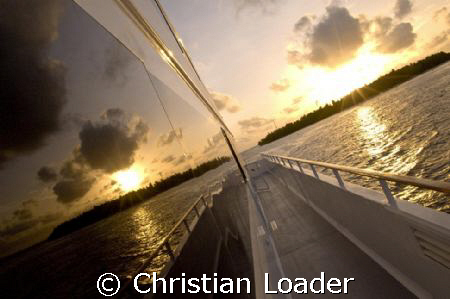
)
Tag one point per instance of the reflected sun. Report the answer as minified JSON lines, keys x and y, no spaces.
{"x":128,"y":179}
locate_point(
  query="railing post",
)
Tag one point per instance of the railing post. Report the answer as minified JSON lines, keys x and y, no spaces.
{"x":196,"y":211}
{"x":300,"y":167}
{"x":338,"y":178}
{"x":314,"y":171}
{"x":290,"y":164}
{"x":187,"y":225}
{"x":204,"y":201}
{"x":169,"y":250}
{"x":388,"y":193}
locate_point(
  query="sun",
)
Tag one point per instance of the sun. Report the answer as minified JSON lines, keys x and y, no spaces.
{"x":128,"y":179}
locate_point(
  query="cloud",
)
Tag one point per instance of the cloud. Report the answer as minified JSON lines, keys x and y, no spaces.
{"x":442,"y":13}
{"x":295,"y":57}
{"x":32,"y":89}
{"x":117,"y":59}
{"x":213,"y":142}
{"x":225,"y":102}
{"x":168,"y":159}
{"x":113,"y":115}
{"x":400,"y":37}
{"x":110,"y":146}
{"x":75,"y":181}
{"x":254,"y":122}
{"x":107,"y":145}
{"x":281,"y":85}
{"x":71,"y":190}
{"x":266,"y":6}
{"x":294,"y":107}
{"x":181,"y":159}
{"x":379,"y":26}
{"x":332,"y":41}
{"x":47,"y":174}
{"x":23,"y":214}
{"x":303,"y":23}
{"x":168,"y":138}
{"x":402,"y":8}
{"x":439,"y":39}
{"x":15,"y":228}
{"x":297,"y":100}
{"x":289,"y":110}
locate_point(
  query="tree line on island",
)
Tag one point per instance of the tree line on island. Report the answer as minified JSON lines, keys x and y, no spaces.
{"x":133,"y":198}
{"x":383,"y":83}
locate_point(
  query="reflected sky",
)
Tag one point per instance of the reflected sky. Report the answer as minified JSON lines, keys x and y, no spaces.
{"x":86,"y":121}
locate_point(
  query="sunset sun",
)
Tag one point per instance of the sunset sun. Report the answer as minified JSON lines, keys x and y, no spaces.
{"x":128,"y":179}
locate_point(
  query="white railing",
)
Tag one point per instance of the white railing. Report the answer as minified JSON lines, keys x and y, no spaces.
{"x":289,"y":162}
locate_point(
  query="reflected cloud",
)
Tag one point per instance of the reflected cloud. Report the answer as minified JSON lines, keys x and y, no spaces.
{"x":29,"y":77}
{"x":111,"y":146}
{"x":168,"y":138}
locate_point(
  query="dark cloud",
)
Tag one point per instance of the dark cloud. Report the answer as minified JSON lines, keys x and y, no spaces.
{"x":281,"y":85}
{"x":117,"y":59}
{"x":22,"y":220}
{"x":302,"y":23}
{"x":110,"y":146}
{"x":71,"y":190}
{"x":336,"y":38}
{"x":402,"y":8}
{"x":400,"y":37}
{"x":114,"y":115}
{"x":379,"y":26}
{"x":75,"y":182}
{"x":75,"y":167}
{"x":332,"y":41}
{"x":15,"y":228}
{"x":225,"y":102}
{"x":254,"y":123}
{"x":168,"y":138}
{"x":47,"y":174}
{"x":23,"y":214}
{"x":32,"y":89}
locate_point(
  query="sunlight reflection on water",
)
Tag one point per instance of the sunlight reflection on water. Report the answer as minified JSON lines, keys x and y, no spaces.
{"x":403,"y":131}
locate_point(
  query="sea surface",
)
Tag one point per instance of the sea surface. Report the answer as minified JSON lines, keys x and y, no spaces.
{"x":404,"y":131}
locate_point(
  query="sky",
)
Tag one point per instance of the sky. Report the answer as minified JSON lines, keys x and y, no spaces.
{"x":267,"y":62}
{"x":84,"y":120}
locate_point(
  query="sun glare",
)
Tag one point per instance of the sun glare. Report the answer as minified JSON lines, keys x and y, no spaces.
{"x":333,"y":84}
{"x":128,"y":179}
{"x":319,"y":85}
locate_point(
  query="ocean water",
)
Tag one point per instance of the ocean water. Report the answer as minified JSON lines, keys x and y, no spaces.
{"x":405,"y":130}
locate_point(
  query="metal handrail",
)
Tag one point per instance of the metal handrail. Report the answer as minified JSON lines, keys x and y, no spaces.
{"x":440,"y":186}
{"x":165,"y":241}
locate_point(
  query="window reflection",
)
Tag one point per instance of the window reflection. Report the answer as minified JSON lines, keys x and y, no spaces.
{"x":88,"y":130}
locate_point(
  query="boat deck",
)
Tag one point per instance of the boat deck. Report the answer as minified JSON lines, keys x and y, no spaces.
{"x":307,"y":245}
